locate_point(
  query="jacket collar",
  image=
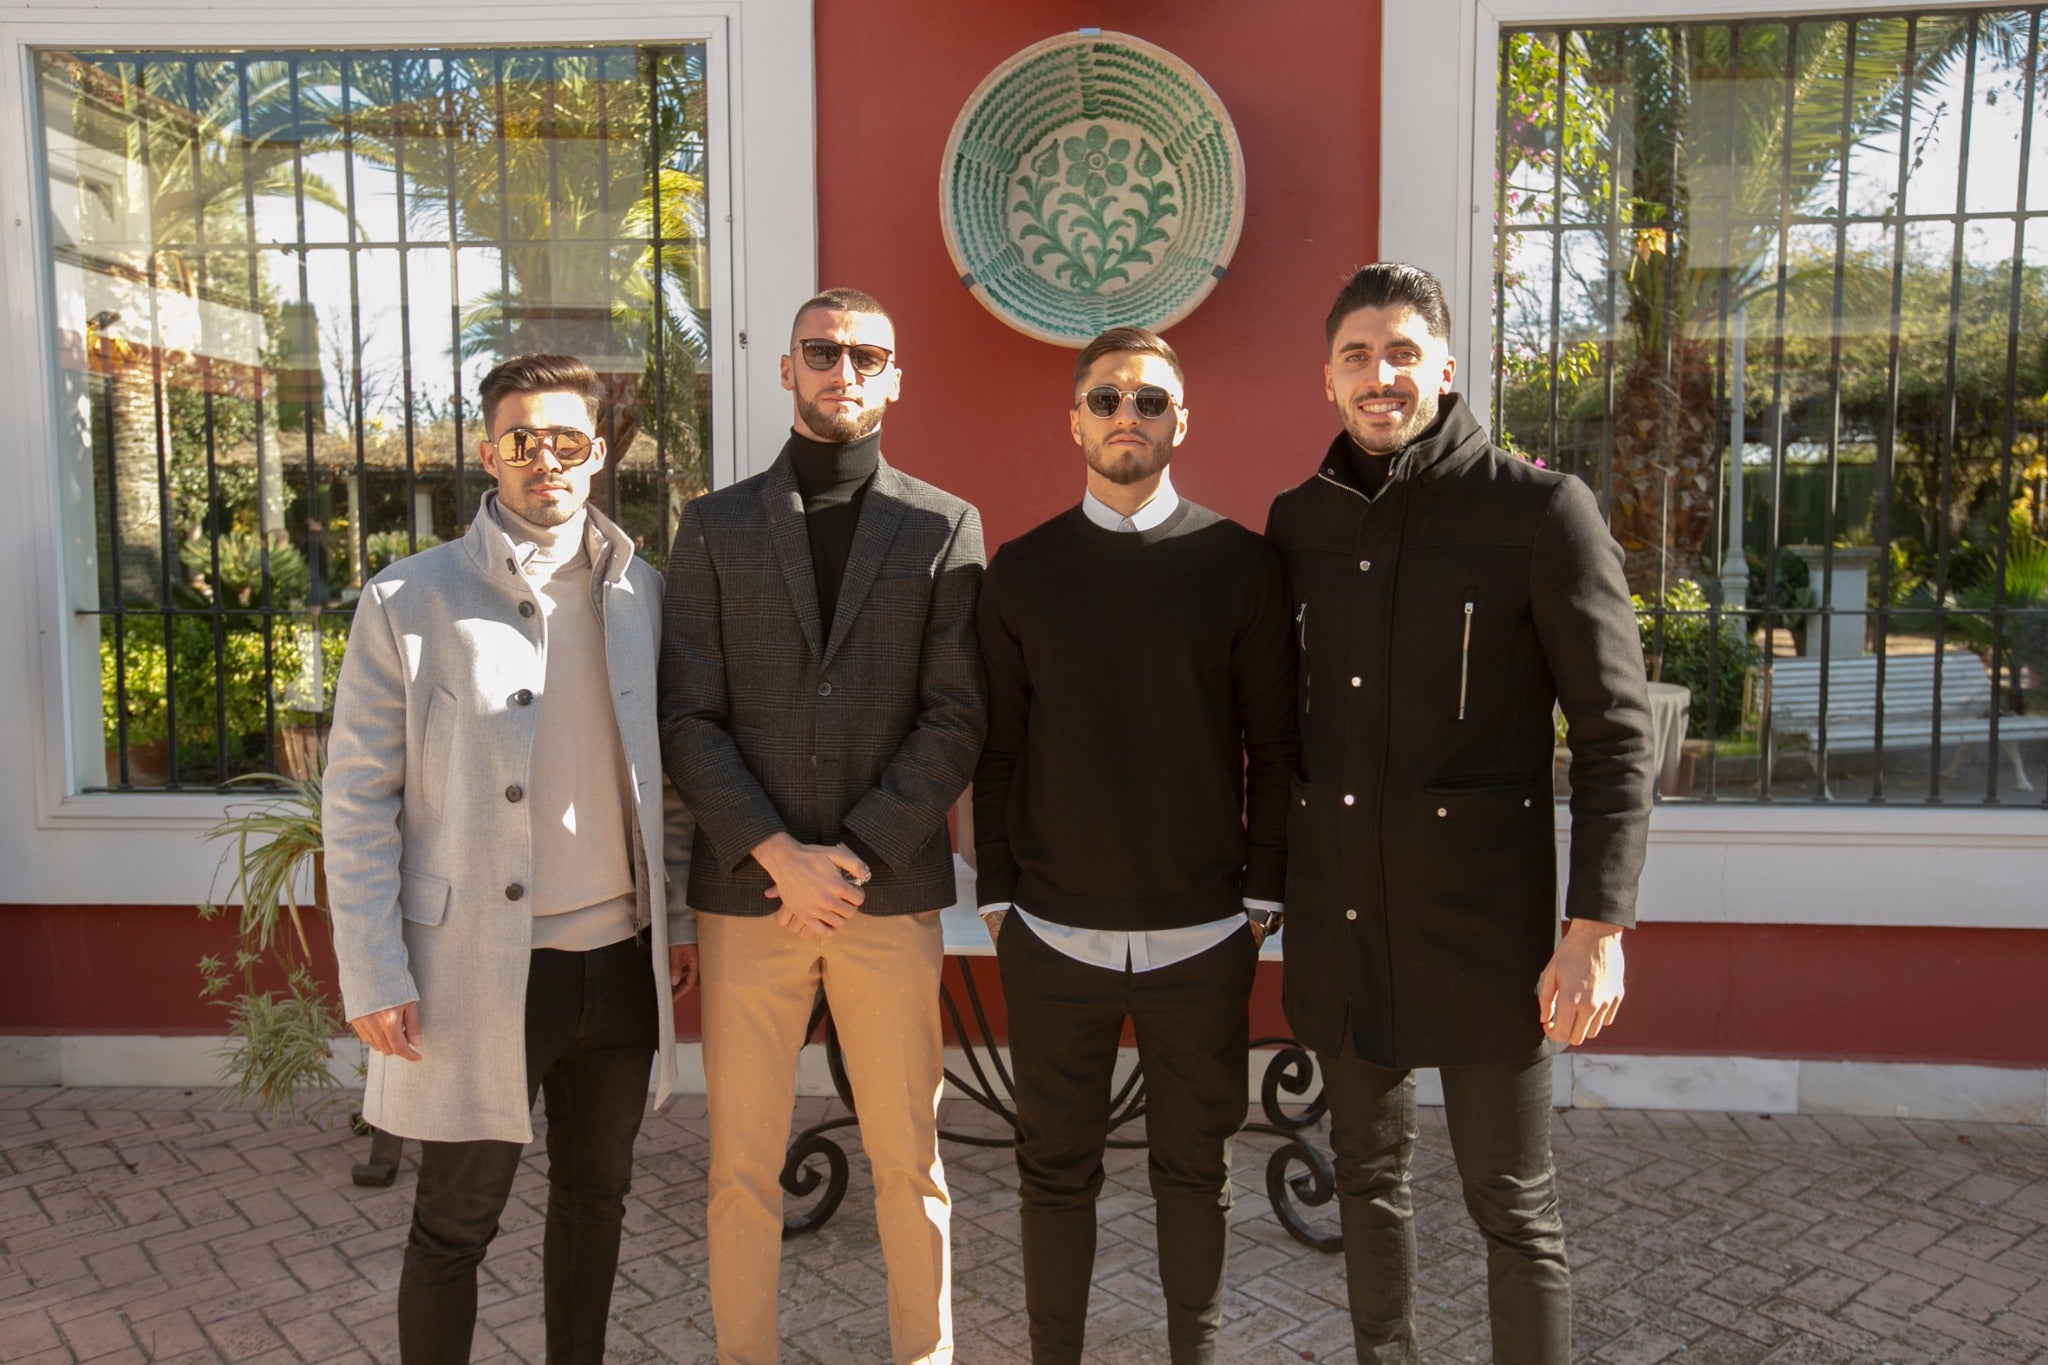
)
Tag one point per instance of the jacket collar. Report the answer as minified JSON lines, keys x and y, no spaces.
{"x":782,"y":507}
{"x":1452,"y":444}
{"x":497,"y":558}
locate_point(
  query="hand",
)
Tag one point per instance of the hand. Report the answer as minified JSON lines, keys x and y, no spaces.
{"x":992,"y":920}
{"x":1262,"y":929}
{"x":394,"y":1032}
{"x":1580,"y":991}
{"x":682,"y":969}
{"x":819,"y":887}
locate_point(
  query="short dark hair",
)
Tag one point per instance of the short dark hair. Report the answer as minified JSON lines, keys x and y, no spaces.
{"x":1392,"y":284}
{"x":542,"y":373}
{"x":841,"y":301}
{"x":1120,"y":339}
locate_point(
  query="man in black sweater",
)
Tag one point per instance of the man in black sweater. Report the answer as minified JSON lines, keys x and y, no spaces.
{"x":1130,"y":810}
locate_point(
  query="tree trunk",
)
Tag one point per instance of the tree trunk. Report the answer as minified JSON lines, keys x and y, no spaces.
{"x":1665,"y":428}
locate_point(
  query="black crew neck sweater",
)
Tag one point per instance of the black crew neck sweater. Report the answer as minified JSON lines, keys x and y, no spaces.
{"x":833,"y":480}
{"x":1141,"y":723}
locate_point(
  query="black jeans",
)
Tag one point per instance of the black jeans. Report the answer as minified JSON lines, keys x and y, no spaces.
{"x":591,"y":1028}
{"x":1193,"y":1031}
{"x":1499,"y":1117}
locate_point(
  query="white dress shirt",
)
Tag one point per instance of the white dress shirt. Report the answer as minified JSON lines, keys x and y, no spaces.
{"x":1140,"y":950}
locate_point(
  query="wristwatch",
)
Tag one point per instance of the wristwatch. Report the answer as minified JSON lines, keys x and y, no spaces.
{"x":1265,"y":924}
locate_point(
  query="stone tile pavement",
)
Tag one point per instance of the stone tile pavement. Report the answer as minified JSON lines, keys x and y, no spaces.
{"x":143,"y":1225}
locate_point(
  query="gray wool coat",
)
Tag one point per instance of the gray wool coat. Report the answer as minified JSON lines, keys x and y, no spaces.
{"x":769,"y":723}
{"x":434,"y":717}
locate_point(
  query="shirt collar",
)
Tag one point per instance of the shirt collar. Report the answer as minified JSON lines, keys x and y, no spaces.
{"x":1144,"y":519}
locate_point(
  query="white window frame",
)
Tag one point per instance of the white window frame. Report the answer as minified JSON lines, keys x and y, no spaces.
{"x":1961,"y":866}
{"x":62,"y":846}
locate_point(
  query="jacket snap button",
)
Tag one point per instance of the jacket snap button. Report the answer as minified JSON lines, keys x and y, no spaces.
{"x":824,"y":689}
{"x":513,"y":793}
{"x":1364,"y":564}
{"x":1350,"y":914}
{"x":526,"y":608}
{"x":1525,"y":803}
{"x":514,"y":892}
{"x":1355,"y":682}
{"x":1304,"y":800}
{"x":523,"y":697}
{"x":1349,"y":799}
{"x":1441,"y":812}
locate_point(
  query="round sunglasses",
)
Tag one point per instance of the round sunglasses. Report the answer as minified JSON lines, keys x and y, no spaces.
{"x":1106,"y":400}
{"x":820,"y":354}
{"x":520,"y":446}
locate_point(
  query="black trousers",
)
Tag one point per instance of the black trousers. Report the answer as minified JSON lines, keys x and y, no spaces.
{"x":591,"y":1031}
{"x":1499,"y":1118}
{"x":1193,"y":1032}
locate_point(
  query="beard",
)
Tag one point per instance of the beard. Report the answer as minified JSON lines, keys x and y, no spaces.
{"x":1124,"y":466}
{"x":1379,"y":441}
{"x":835,"y":425}
{"x":548,"y":512}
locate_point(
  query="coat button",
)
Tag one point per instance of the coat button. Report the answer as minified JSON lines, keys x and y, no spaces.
{"x":523,"y":697}
{"x":1364,"y":564}
{"x":1350,"y":914}
{"x":1349,"y":799}
{"x":1525,"y":803}
{"x":513,"y":792}
{"x":511,"y":564}
{"x":1304,"y":800}
{"x":515,"y":892}
{"x":824,"y":689}
{"x":1356,"y":682}
{"x":526,"y":608}
{"x":1441,"y":812}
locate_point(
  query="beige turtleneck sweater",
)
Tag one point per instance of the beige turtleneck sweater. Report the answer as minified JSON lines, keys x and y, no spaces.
{"x":578,"y":799}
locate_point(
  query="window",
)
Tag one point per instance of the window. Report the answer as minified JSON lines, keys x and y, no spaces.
{"x":277,"y":279}
{"x":1777,"y":289}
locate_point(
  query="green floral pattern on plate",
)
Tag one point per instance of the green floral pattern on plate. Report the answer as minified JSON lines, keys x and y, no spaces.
{"x":1095,"y":232}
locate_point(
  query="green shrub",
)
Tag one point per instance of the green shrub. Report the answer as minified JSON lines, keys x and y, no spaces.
{"x":1711,"y":662}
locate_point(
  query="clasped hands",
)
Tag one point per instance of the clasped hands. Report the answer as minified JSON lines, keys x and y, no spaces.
{"x":819,"y":885}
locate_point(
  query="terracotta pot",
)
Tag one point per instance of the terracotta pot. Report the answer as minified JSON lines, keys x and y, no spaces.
{"x":149,"y":763}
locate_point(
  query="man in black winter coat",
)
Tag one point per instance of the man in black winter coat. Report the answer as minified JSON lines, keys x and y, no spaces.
{"x":1446,"y":595}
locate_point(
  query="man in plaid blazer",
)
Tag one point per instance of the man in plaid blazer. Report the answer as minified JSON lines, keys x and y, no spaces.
{"x":821,"y":708}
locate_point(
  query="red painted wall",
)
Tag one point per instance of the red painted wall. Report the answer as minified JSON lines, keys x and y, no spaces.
{"x":984,"y":408}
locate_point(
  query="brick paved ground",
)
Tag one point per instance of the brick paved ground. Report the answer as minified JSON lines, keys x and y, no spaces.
{"x":153,"y":1225}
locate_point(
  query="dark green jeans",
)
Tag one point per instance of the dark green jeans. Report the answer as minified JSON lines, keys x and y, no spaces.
{"x":1499,"y":1117}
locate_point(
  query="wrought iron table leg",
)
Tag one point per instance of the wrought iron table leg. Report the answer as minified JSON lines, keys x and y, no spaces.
{"x":382,"y":1168}
{"x":1292,"y":1070}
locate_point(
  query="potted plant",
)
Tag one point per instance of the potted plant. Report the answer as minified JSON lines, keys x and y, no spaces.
{"x":280,"y":1041}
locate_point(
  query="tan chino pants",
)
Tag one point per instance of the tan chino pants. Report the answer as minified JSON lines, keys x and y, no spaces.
{"x":881,"y":978}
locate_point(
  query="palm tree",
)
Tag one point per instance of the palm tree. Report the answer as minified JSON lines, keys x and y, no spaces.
{"x":1705,"y":139}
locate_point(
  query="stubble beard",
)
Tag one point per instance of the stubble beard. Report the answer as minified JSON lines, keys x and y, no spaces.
{"x":1381,"y":442}
{"x":1125,"y":468}
{"x":835,"y":427}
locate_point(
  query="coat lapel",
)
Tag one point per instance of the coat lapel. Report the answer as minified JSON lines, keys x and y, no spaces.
{"x":782,"y":507}
{"x":881,"y":511}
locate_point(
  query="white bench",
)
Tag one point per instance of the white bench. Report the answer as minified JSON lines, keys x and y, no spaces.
{"x":1907,"y":706}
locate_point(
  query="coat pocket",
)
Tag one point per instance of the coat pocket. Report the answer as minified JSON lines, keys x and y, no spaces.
{"x":422,"y":899}
{"x":437,"y":748}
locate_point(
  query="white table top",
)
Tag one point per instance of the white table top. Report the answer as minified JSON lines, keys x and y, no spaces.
{"x":967,"y":936}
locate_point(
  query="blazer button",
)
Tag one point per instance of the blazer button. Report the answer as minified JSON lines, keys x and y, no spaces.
{"x":526,"y":608}
{"x":513,"y":793}
{"x":515,"y":892}
{"x":523,"y":697}
{"x":1350,"y":914}
{"x":824,"y":689}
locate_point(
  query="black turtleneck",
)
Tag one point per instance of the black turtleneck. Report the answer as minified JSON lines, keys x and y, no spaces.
{"x":1371,"y":472}
{"x":833,"y":480}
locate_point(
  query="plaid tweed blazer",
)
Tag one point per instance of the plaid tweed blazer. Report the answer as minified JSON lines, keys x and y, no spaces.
{"x":769,"y":725}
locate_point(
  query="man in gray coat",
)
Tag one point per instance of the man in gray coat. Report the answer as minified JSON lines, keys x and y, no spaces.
{"x":498,"y":865}
{"x":821,"y":708}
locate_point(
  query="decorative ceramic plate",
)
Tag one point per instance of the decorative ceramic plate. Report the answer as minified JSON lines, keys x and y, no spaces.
{"x":1092,"y":181}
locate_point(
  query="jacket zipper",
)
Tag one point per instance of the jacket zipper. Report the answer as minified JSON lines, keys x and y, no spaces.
{"x":1307,"y":679}
{"x":1465,"y":661}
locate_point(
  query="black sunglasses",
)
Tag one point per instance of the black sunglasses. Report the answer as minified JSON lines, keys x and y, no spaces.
{"x":1105,"y":400}
{"x":819,"y":354}
{"x":519,"y":446}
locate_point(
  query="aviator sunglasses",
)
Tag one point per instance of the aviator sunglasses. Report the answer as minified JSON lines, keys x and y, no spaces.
{"x":1104,"y":400}
{"x":820,"y":354}
{"x":519,"y":446}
